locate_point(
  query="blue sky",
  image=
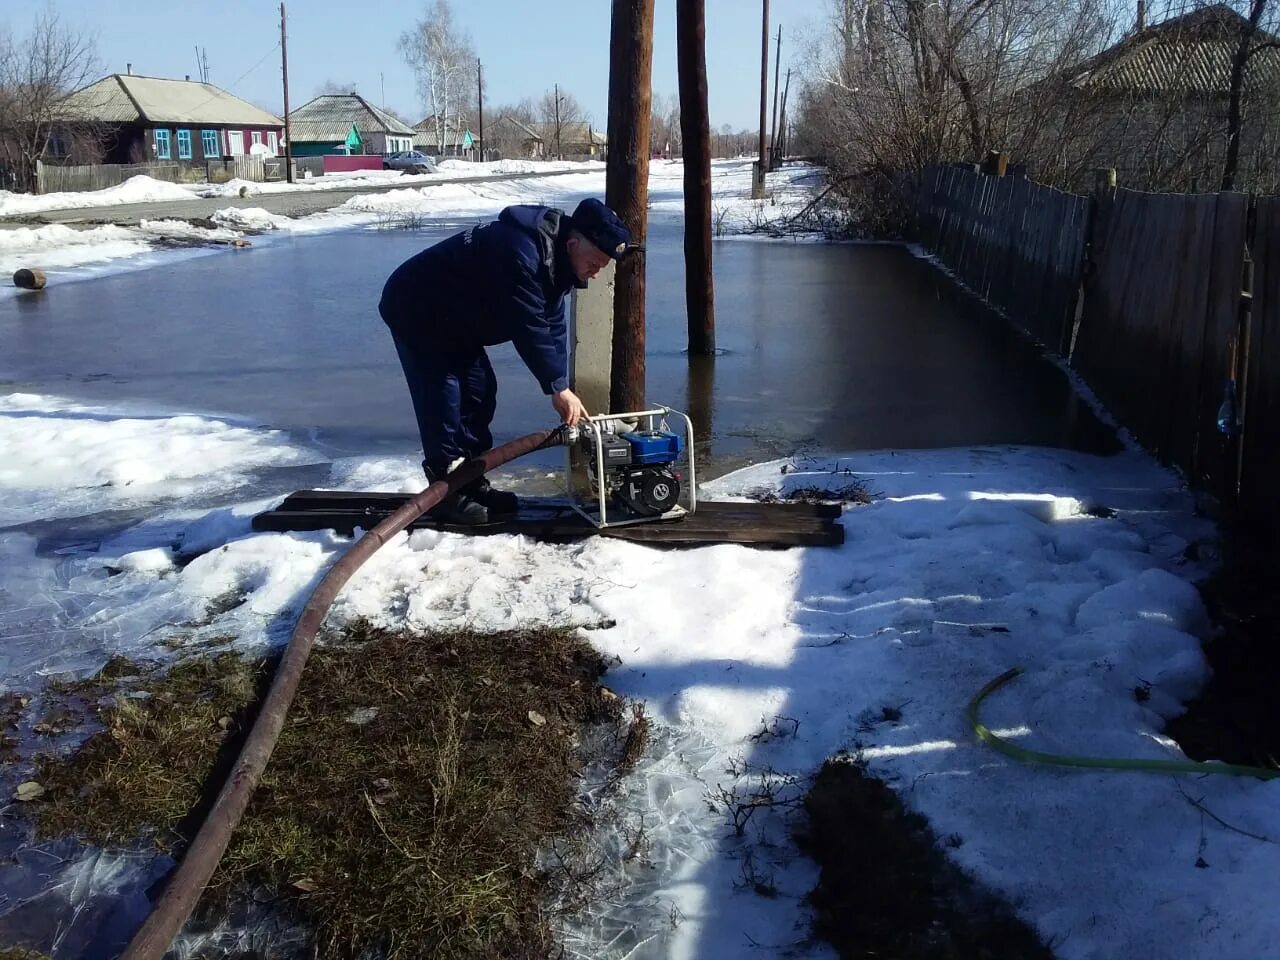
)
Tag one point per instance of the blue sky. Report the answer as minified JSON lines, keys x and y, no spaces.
{"x":526,"y":46}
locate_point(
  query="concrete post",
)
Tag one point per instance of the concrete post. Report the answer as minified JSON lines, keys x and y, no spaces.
{"x":591,"y":342}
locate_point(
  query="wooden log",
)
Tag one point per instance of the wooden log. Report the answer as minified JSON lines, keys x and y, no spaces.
{"x":29,"y":279}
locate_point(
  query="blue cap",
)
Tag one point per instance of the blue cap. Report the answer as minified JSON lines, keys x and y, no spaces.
{"x":602,"y":227}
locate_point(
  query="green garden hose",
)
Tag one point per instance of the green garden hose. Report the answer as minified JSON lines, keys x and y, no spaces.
{"x":1096,"y":763}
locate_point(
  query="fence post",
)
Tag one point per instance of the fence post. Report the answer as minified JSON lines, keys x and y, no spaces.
{"x":996,"y":164}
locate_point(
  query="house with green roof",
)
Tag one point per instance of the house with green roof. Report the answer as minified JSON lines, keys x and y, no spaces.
{"x":346,"y":123}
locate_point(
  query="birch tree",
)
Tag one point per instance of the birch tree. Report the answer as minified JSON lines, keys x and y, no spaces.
{"x":443,"y":62}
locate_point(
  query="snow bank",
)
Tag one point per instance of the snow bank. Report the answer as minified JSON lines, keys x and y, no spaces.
{"x":140,"y":189}
{"x":66,"y":459}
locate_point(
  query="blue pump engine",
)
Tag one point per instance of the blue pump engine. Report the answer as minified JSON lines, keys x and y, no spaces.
{"x":638,"y":470}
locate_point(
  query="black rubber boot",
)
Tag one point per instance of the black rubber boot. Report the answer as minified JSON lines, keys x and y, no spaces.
{"x":495,"y":501}
{"x":459,"y":508}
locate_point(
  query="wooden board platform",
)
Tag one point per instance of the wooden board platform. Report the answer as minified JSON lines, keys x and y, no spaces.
{"x":552,"y":519}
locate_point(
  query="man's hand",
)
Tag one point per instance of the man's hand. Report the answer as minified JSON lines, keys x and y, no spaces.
{"x":569,"y":407}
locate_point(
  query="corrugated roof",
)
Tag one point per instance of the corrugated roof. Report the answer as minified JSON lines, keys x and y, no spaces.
{"x":576,"y":132}
{"x":127,"y":98}
{"x":425,"y":132}
{"x":532,"y":134}
{"x":329,"y":118}
{"x":1191,"y":54}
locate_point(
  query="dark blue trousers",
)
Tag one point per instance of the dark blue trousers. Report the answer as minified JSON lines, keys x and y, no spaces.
{"x":455,"y":395}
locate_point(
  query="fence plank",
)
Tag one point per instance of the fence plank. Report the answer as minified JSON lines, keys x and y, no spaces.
{"x":1260,"y":473}
{"x":1213,"y":456}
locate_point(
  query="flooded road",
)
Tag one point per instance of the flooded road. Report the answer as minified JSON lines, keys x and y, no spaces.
{"x":824,"y":347}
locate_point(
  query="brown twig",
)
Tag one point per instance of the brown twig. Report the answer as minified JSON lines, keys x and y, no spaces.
{"x":1199,"y":805}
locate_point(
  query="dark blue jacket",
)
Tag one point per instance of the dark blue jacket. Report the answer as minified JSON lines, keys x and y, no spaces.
{"x":497,"y":282}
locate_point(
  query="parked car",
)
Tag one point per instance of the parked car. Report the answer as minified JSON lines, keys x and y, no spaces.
{"x":410,"y":161}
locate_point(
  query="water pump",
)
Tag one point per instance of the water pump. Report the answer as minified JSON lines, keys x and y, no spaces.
{"x":635,"y":467}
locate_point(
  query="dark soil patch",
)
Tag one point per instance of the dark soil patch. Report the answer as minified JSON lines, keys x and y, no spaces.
{"x":854,"y":492}
{"x":888,"y":890}
{"x":11,"y":707}
{"x":415,"y":780}
{"x":1236,"y":718}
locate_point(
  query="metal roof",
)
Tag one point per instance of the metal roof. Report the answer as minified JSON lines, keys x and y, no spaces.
{"x":575,"y":132}
{"x":329,"y":118}
{"x":1186,"y":55}
{"x":127,"y":98}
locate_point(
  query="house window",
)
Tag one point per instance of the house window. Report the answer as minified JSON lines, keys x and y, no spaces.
{"x":162,"y":145}
{"x":58,"y":144}
{"x":273,"y":143}
{"x":209,"y":138}
{"x":184,"y":144}
{"x":257,"y":137}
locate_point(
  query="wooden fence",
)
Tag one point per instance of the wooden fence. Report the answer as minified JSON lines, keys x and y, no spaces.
{"x":1161,"y":322}
{"x":1158,"y":300}
{"x":58,"y":178}
{"x":1017,"y":244}
{"x":1260,"y":349}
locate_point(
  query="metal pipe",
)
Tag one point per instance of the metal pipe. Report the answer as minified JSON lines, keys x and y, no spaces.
{"x":152,"y":941}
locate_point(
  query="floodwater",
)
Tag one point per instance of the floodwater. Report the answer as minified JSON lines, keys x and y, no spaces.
{"x":822,"y":347}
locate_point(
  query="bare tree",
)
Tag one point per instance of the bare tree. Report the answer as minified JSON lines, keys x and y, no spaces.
{"x":333,"y":88}
{"x":506,"y":125}
{"x":37,"y":72}
{"x":443,"y":61}
{"x":664,"y":125}
{"x":559,"y":111}
{"x":1252,"y":41}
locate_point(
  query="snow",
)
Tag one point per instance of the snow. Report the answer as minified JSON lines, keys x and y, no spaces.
{"x":56,"y":248}
{"x":123,"y":527}
{"x":139,"y":189}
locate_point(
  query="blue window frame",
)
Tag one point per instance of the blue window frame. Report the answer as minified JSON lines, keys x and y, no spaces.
{"x":184,"y":144}
{"x":210,"y":140}
{"x":162,"y":145}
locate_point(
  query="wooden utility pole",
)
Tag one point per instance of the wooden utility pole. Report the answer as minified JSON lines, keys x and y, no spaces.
{"x":757,"y":180}
{"x":777,"y":69}
{"x":557,"y":105}
{"x":781,"y":145}
{"x":284,"y":64}
{"x":627,"y":188}
{"x":695,"y":132}
{"x":480,"y":101}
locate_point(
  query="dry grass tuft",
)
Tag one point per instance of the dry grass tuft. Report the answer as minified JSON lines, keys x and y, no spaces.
{"x":413,"y":784}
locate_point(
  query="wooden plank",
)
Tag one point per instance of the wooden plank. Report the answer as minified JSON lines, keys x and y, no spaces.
{"x":1183,"y":333}
{"x":1213,"y":455}
{"x":762,"y":524}
{"x":1260,"y":473}
{"x":387,"y":502}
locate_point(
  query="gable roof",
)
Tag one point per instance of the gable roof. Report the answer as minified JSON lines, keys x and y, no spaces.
{"x":1190,"y":54}
{"x":571,"y":132}
{"x":523,"y":128}
{"x":455,"y":133}
{"x":128,"y":98}
{"x":329,"y":118}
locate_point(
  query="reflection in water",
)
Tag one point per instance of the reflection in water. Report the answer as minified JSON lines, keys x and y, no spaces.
{"x":700,"y":391}
{"x":836,"y":347}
